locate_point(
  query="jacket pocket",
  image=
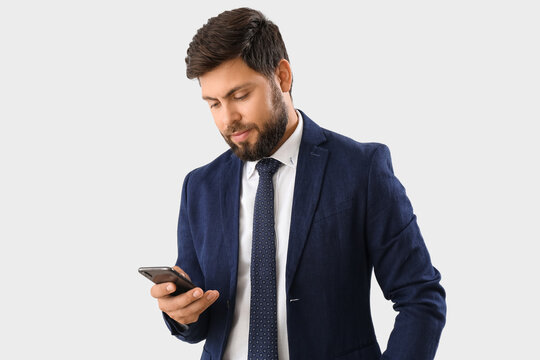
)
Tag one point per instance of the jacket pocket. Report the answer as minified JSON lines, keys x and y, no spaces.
{"x":369,"y":352}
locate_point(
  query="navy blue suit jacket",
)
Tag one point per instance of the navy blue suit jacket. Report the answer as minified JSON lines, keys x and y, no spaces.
{"x":350,"y":215}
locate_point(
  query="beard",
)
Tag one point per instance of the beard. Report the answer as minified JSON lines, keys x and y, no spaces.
{"x":269,"y":136}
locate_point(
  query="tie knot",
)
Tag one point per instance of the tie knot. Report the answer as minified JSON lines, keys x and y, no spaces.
{"x":268,"y":166}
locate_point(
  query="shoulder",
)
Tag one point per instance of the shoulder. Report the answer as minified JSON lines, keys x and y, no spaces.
{"x":350,"y":147}
{"x":211,"y":173}
{"x":354,"y":159}
{"x":339,"y":146}
{"x":346,"y":152}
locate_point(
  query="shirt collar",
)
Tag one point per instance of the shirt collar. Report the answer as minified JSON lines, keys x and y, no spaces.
{"x":287,"y":153}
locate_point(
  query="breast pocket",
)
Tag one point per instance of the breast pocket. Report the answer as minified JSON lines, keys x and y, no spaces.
{"x":331,"y":209}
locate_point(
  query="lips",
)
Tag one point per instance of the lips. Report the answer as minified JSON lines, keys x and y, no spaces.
{"x":240,"y":136}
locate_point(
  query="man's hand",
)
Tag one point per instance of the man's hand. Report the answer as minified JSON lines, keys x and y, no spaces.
{"x":184,"y":308}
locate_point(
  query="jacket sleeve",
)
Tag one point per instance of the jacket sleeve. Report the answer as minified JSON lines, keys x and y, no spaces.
{"x":402,"y":265}
{"x":188,"y":261}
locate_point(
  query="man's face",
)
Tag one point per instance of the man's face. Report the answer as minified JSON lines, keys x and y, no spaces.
{"x":247,"y":107}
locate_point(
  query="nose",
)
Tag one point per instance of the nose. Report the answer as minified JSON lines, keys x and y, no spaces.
{"x":229,"y":115}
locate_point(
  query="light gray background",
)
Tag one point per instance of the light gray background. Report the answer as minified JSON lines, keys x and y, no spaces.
{"x":99,"y":126}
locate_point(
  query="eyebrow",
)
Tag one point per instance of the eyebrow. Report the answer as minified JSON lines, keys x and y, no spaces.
{"x":230,"y":92}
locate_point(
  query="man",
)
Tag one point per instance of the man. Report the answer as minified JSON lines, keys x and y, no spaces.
{"x":284,"y":229}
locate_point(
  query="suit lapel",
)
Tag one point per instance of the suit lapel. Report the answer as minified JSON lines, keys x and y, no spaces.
{"x":230,"y":204}
{"x":309,"y":177}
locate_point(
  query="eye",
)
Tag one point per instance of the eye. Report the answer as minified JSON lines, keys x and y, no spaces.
{"x":241,"y":97}
{"x":214,"y":105}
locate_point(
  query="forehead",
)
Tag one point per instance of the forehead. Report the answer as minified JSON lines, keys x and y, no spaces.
{"x":230,"y":74}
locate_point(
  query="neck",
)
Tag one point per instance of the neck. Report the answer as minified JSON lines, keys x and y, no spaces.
{"x":292,"y":123}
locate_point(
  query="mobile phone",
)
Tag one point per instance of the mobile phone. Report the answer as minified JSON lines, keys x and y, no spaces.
{"x":162,"y":274}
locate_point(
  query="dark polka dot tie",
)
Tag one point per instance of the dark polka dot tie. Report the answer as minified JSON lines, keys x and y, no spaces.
{"x":263,"y":309}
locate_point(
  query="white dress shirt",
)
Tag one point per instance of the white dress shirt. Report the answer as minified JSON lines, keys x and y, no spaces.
{"x":287,"y":154}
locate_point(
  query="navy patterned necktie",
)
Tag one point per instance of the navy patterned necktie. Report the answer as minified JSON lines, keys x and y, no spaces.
{"x":263,"y":309}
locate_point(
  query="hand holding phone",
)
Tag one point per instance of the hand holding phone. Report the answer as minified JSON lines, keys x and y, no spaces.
{"x":163,"y":274}
{"x":188,"y":302}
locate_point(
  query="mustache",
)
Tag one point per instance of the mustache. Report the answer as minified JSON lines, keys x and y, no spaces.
{"x":238,"y":127}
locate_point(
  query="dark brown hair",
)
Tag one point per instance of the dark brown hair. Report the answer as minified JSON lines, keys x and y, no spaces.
{"x":244,"y":33}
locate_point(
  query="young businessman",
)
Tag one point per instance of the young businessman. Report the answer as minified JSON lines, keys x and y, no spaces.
{"x":285,"y":228}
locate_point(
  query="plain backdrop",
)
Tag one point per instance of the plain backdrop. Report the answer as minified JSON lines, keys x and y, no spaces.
{"x":99,"y":126}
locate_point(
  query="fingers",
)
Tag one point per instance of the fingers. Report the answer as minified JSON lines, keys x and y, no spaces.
{"x":190,"y":313}
{"x":170,"y":303}
{"x":160,"y":290}
{"x":202,"y":302}
{"x":184,"y":308}
{"x":182,"y":301}
{"x":164,"y":289}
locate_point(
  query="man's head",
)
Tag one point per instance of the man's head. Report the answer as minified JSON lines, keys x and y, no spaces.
{"x":242,"y":66}
{"x":240,"y":33}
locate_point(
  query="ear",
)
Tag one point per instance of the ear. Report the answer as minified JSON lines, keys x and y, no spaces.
{"x":284,"y":75}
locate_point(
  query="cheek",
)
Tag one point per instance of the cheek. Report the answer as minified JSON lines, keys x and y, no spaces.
{"x":257,"y":110}
{"x":219,"y":124}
